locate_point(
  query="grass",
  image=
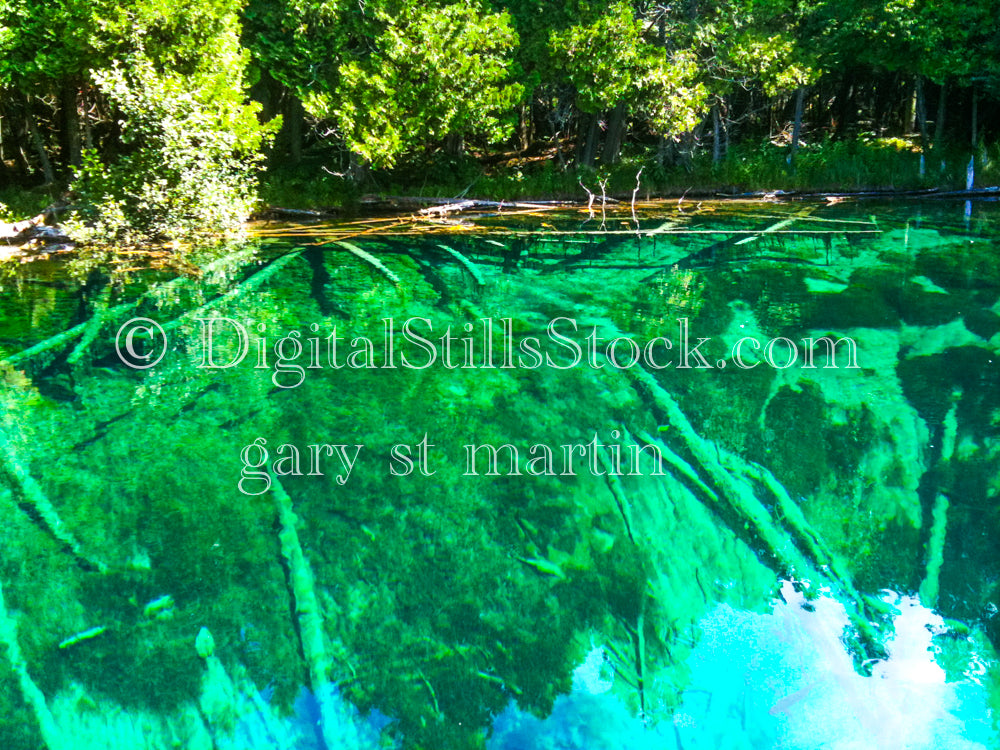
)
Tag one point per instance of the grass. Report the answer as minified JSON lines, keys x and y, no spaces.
{"x":863,"y":164}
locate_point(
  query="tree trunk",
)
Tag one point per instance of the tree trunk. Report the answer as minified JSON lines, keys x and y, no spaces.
{"x":357,"y":169}
{"x":921,"y":114}
{"x":582,"y":122}
{"x":294,"y":115}
{"x":939,"y":123}
{"x":878,"y":107}
{"x":288,"y":143}
{"x":800,"y":98}
{"x":36,"y":139}
{"x":557,"y":125}
{"x":970,"y":173}
{"x":716,"y":140}
{"x":23,"y":162}
{"x":724,"y":117}
{"x":587,"y":142}
{"x":616,"y":134}
{"x":910,"y":110}
{"x":845,"y":103}
{"x":560,"y":156}
{"x":523,"y":127}
{"x":454,"y":144}
{"x":69,"y":106}
{"x":689,"y":145}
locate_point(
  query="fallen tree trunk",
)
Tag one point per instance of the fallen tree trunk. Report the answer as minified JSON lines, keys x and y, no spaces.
{"x":449,"y":207}
{"x":31,"y":237}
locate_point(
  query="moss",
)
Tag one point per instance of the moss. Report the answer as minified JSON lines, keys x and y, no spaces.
{"x":984,"y":323}
{"x":847,"y":442}
{"x":777,"y":294}
{"x":928,"y":380}
{"x":793,"y":443}
{"x":726,"y":407}
{"x":425,"y":594}
{"x":920,"y":307}
{"x":137,"y":667}
{"x":882,"y":557}
{"x":868,"y":302}
{"x":654,"y":309}
{"x":18,"y":728}
{"x":962,"y":264}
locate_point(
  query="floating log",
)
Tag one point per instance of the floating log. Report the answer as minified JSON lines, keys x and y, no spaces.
{"x":469,"y":205}
{"x":27,"y":240}
{"x":296,"y":214}
{"x":18,"y":229}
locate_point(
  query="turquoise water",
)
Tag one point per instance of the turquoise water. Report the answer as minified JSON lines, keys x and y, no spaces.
{"x":707,"y":476}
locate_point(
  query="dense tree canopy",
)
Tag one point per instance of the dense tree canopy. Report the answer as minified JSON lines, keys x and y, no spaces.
{"x":134,"y":104}
{"x":430,"y":72}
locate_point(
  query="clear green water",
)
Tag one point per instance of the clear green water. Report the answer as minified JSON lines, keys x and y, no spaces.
{"x":749,"y":555}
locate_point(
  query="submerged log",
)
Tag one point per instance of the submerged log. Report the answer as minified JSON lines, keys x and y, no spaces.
{"x":52,"y":737}
{"x":36,"y":503}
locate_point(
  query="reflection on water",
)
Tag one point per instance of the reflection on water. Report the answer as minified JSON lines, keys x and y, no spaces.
{"x":621,"y":480}
{"x":782,"y":679}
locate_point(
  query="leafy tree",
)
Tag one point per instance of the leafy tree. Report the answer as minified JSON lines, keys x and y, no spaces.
{"x":47,"y":49}
{"x":297,"y":48}
{"x":190,"y":142}
{"x":610,"y":64}
{"x":298,"y":43}
{"x":431,"y":72}
{"x":386,"y":79}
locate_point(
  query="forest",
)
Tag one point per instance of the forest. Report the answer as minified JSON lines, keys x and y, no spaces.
{"x":286,"y":464}
{"x":165,"y":120}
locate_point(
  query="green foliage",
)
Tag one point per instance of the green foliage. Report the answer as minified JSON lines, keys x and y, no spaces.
{"x":613,"y":36}
{"x":17,"y":203}
{"x":293,"y":187}
{"x":867,"y":163}
{"x":297,"y":42}
{"x":863,"y":164}
{"x":955,"y":39}
{"x":158,"y":91}
{"x":433,"y":72}
{"x":191,"y":146}
{"x":608,"y":61}
{"x":42,"y":42}
{"x":772,"y":59}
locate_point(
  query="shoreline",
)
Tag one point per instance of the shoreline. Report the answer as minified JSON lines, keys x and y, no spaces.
{"x":395,"y":205}
{"x":33,"y":239}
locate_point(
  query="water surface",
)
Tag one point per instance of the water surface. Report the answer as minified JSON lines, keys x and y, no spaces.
{"x":708,"y":475}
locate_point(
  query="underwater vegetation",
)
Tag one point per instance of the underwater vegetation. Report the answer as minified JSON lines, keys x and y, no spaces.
{"x":723,"y":580}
